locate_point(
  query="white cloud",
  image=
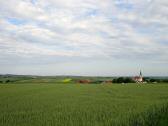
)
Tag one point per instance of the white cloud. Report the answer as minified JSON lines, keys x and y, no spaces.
{"x":85,"y":28}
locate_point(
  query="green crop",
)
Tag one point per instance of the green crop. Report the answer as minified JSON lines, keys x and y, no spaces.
{"x":83,"y":105}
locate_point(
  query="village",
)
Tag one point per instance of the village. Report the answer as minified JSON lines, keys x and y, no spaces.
{"x":123,"y":80}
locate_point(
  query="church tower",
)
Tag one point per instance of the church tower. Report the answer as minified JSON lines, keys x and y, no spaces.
{"x":138,"y":79}
{"x":140,"y":76}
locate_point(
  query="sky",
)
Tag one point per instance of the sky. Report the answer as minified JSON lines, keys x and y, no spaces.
{"x":84,"y":37}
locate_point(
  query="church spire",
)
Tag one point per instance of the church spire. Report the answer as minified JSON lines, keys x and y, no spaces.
{"x":140,"y":74}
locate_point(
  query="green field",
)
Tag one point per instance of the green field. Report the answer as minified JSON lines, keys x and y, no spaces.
{"x":83,"y":105}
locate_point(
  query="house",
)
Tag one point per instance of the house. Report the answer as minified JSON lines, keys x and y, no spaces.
{"x":84,"y":81}
{"x":138,"y":79}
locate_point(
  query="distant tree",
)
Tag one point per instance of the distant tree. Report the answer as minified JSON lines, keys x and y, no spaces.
{"x":115,"y":80}
{"x":1,"y":81}
{"x":120,"y":80}
{"x":165,"y":80}
{"x":153,"y":80}
{"x":128,"y":80}
{"x":123,"y":80}
{"x":7,"y":81}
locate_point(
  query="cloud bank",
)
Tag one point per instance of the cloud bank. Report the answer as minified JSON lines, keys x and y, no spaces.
{"x":84,"y":29}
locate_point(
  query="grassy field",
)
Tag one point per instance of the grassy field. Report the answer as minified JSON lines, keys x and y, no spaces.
{"x":83,"y":105}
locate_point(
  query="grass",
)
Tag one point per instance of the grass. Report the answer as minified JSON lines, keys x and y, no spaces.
{"x":83,"y":105}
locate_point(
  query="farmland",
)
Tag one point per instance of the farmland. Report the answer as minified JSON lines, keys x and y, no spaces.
{"x":54,"y":104}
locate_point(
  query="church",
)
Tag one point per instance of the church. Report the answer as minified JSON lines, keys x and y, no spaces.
{"x":138,"y":79}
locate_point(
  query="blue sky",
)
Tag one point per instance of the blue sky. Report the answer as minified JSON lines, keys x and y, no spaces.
{"x":84,"y":37}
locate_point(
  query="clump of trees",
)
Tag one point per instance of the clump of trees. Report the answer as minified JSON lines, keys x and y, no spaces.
{"x":153,"y":80}
{"x":123,"y":80}
{"x":5,"y":81}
